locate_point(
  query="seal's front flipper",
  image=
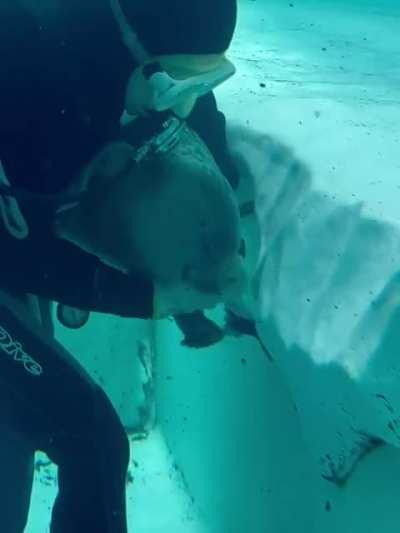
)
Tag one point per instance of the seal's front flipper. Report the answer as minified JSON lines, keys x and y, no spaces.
{"x":236,"y":326}
{"x":199,"y":331}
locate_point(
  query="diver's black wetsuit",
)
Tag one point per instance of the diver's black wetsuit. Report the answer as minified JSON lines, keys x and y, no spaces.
{"x":47,"y":402}
{"x":62,"y":83}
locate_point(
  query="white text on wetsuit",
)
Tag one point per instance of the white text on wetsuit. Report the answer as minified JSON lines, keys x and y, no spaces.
{"x":14,"y":349}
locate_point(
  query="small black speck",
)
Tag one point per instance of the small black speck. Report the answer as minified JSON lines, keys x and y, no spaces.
{"x":291,"y":5}
{"x":129,"y":477}
{"x":328,"y":506}
{"x":243,"y":361}
{"x":41,"y":464}
{"x":324,"y":49}
{"x":168,"y":378}
{"x":262,"y":85}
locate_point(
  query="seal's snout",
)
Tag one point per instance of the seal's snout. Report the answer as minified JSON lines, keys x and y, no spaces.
{"x":228,"y":278}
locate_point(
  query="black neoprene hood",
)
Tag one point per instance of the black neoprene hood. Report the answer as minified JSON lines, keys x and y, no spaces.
{"x":167,"y":27}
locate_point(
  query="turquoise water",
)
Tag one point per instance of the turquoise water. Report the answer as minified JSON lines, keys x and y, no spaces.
{"x":224,"y":439}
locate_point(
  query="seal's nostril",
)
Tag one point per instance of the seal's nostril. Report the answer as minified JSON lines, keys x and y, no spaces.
{"x":242,"y":248}
{"x":186,"y":273}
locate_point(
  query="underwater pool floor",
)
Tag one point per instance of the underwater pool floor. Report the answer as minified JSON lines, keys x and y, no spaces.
{"x":154,"y":484}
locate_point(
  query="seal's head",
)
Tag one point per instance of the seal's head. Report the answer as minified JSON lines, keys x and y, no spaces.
{"x":172,"y":215}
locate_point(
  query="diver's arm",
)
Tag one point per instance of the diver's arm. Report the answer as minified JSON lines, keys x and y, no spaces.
{"x":62,"y":272}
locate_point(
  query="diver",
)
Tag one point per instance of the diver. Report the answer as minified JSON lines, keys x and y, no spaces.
{"x":68,"y":71}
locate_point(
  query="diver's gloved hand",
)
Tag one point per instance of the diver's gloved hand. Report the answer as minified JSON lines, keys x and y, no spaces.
{"x":142,"y":96}
{"x":175,"y":83}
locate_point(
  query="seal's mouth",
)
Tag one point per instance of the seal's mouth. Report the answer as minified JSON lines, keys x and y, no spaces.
{"x":227,"y":278}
